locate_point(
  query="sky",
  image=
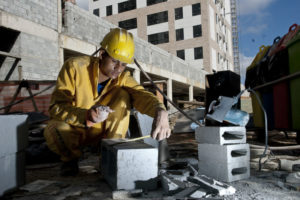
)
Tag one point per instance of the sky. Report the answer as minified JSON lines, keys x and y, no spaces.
{"x":259,"y":22}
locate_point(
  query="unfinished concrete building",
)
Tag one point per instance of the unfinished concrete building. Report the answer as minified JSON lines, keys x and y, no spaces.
{"x":197,"y":31}
{"x":38,"y":36}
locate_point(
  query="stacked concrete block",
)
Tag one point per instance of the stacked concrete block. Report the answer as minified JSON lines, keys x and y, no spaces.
{"x":13,"y":138}
{"x":129,"y":165}
{"x":223,"y":153}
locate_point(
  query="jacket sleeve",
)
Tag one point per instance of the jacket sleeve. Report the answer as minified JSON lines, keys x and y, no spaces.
{"x":145,"y":102}
{"x":62,"y":106}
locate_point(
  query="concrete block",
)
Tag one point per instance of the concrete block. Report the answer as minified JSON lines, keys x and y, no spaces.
{"x":221,"y":135}
{"x":212,"y":186}
{"x":12,"y":171}
{"x":223,"y":154}
{"x":129,"y":165}
{"x":225,"y":172}
{"x":13,"y":134}
{"x":226,"y":163}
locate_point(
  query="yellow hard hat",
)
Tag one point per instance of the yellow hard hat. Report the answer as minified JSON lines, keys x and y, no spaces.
{"x":119,"y":44}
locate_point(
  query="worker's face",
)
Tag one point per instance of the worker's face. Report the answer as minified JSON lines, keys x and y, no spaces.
{"x":111,"y":67}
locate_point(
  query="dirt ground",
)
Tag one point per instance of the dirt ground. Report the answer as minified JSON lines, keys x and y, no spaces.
{"x":89,"y":184}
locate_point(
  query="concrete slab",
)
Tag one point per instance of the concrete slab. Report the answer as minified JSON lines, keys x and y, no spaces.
{"x":12,"y":171}
{"x":13,"y":134}
{"x":129,"y":166}
{"x":221,"y":135}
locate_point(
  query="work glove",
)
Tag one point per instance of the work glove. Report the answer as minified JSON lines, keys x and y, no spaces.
{"x":160,"y":125}
{"x":97,"y":114}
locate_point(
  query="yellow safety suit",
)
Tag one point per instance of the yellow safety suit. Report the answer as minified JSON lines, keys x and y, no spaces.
{"x":76,"y":92}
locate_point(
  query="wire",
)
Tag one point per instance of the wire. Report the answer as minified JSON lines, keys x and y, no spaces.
{"x":266,"y":126}
{"x":165,"y":96}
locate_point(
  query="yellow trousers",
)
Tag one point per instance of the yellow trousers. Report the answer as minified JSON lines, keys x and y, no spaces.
{"x":66,"y":140}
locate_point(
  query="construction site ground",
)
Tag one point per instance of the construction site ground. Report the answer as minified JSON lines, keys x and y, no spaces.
{"x":90,"y":184}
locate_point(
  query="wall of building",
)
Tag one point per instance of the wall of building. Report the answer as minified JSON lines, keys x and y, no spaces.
{"x":42,"y":12}
{"x":83,"y":25}
{"x":37,"y":43}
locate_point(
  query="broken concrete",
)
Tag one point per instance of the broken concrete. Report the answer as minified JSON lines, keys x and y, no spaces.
{"x":37,"y":185}
{"x":293,"y":178}
{"x":125,"y":194}
{"x":198,"y":194}
{"x":212,"y":186}
{"x":171,"y":185}
{"x":129,"y":165}
{"x":221,"y":135}
{"x":186,"y":192}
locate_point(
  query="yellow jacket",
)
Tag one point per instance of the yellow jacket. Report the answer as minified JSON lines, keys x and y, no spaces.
{"x":76,"y":91}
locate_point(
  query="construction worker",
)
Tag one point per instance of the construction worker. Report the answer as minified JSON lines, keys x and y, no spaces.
{"x":93,"y":98}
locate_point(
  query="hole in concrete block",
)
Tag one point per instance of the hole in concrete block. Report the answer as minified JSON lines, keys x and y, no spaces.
{"x":238,"y":152}
{"x":238,"y":171}
{"x":232,"y":135}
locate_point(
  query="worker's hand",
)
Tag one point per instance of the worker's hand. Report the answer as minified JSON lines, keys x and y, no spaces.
{"x":97,"y":114}
{"x":160,"y":126}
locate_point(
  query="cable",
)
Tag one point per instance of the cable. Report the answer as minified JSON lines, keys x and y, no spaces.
{"x":165,"y":96}
{"x":266,"y":126}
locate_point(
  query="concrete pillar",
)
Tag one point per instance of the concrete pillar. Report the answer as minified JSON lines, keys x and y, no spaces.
{"x":137,"y":75}
{"x":169,"y":91}
{"x":191,"y":93}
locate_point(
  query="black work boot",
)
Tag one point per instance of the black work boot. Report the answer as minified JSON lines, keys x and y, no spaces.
{"x":69,"y":168}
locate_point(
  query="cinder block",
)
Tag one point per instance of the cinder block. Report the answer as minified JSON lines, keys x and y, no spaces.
{"x":129,"y":165}
{"x":223,"y":154}
{"x":225,"y":163}
{"x":12,"y":171}
{"x":221,"y":135}
{"x":225,"y":172}
{"x":13,"y":134}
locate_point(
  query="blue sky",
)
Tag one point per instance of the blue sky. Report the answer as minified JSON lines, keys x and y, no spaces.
{"x":260,"y":21}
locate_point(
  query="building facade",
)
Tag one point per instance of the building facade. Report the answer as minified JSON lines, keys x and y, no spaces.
{"x":197,"y":31}
{"x":41,"y":35}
